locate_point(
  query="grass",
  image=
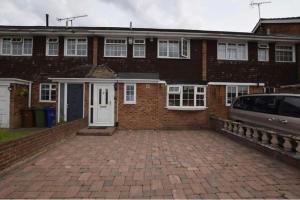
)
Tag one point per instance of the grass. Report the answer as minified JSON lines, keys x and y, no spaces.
{"x":10,"y":134}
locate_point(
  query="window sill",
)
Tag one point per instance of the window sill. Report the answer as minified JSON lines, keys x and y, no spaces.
{"x":174,"y":58}
{"x":186,"y":108}
{"x":115,"y":56}
{"x":75,"y":55}
{"x":44,"y":101}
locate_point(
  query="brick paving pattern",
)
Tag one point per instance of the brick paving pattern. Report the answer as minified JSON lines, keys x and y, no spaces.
{"x":152,"y":164}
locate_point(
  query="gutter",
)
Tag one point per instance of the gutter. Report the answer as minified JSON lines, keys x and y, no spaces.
{"x":160,"y":34}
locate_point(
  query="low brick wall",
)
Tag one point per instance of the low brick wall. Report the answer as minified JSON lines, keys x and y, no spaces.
{"x":13,"y":151}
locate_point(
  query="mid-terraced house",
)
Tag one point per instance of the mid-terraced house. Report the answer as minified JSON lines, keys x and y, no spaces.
{"x":142,"y":78}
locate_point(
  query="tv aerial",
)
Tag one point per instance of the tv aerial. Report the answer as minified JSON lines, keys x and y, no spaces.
{"x":258,"y":4}
{"x":70,"y":19}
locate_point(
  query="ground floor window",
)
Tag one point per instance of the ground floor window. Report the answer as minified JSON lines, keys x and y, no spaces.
{"x":269,"y":90}
{"x":130,"y":93}
{"x":234,"y":91}
{"x":186,"y":96}
{"x":47,"y":92}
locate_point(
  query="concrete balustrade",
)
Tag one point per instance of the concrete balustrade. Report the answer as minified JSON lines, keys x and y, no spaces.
{"x":263,"y":137}
{"x":287,"y":145}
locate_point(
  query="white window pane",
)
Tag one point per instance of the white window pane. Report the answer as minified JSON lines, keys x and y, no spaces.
{"x":188,"y":96}
{"x":139,"y":50}
{"x":27,"y":46}
{"x":231,"y":94}
{"x":6,"y":46}
{"x":17,"y":47}
{"x":221,"y":51}
{"x":174,"y":49}
{"x":163,"y":48}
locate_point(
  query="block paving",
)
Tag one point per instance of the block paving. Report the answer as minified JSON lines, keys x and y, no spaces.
{"x":152,"y":164}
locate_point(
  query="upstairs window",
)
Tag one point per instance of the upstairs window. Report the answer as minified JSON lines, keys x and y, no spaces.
{"x":232,"y":51}
{"x":52,"y":46}
{"x":186,"y":97}
{"x":263,"y":52}
{"x":76,"y":47}
{"x":285,"y":53}
{"x":115,"y":48}
{"x":130,"y":93}
{"x":139,"y":48}
{"x":16,"y":46}
{"x":233,"y":91}
{"x":47,"y":92}
{"x":173,"y":48}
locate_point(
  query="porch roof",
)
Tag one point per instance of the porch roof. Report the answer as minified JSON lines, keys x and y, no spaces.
{"x":14,"y":80}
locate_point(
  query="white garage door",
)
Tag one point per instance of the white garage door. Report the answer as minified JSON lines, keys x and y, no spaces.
{"x":4,"y":107}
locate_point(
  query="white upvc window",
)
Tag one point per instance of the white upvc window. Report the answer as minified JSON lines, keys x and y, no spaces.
{"x":139,"y":48}
{"x":232,"y":51}
{"x":263,"y":52}
{"x":115,"y":47}
{"x":189,"y":97}
{"x":173,"y":48}
{"x":129,"y":93}
{"x":52,"y":46}
{"x":269,"y":90}
{"x":16,"y":46}
{"x":234,"y":91}
{"x":285,"y":53}
{"x":47,"y":92}
{"x":76,"y":46}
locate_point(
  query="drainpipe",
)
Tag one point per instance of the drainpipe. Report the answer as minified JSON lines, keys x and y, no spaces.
{"x":117,"y":104}
{"x":29,"y":94}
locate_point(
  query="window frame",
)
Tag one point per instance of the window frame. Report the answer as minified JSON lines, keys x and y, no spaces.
{"x":236,"y":92}
{"x":47,"y":45}
{"x":293,"y":52}
{"x":180,"y":92}
{"x":105,"y":46}
{"x":180,"y":41}
{"x":134,"y":46}
{"x":11,"y":46}
{"x":260,"y":46}
{"x":125,"y":93}
{"x":236,"y":43}
{"x":76,"y":47}
{"x":50,"y":90}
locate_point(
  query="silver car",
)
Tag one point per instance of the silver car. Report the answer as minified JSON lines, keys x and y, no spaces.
{"x":275,"y":111}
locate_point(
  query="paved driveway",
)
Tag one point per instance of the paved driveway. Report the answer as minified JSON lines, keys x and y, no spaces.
{"x":152,"y":164}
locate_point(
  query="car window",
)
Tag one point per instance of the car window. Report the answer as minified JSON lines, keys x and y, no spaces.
{"x":244,"y":103}
{"x":290,"y":107}
{"x":266,"y":104}
{"x":262,"y":104}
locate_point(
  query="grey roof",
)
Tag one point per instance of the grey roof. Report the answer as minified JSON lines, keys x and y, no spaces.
{"x":138,"y":76}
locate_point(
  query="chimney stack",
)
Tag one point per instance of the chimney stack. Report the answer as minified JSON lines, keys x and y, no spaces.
{"x":47,"y":20}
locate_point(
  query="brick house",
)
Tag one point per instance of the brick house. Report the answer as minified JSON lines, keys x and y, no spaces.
{"x":141,"y":78}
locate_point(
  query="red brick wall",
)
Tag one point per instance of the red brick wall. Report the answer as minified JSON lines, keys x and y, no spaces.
{"x":150,"y":111}
{"x":17,"y":103}
{"x":271,"y":73}
{"x":280,"y":28}
{"x":143,"y":114}
{"x":11,"y":152}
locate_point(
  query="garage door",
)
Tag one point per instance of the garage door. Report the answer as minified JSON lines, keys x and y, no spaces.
{"x":4,"y":107}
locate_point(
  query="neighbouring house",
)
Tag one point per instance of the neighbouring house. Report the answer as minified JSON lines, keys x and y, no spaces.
{"x":142,"y":78}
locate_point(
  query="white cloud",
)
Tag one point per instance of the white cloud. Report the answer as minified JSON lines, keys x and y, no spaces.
{"x":230,"y":15}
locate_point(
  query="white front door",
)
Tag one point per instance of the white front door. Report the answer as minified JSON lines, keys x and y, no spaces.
{"x":103,"y":105}
{"x":4,"y":106}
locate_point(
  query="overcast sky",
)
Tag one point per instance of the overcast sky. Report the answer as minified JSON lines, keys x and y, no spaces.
{"x":229,"y":15}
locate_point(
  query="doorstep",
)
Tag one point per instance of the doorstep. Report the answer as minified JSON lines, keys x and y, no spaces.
{"x":97,"y":131}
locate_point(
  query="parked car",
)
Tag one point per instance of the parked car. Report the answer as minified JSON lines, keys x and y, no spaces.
{"x":275,"y":111}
